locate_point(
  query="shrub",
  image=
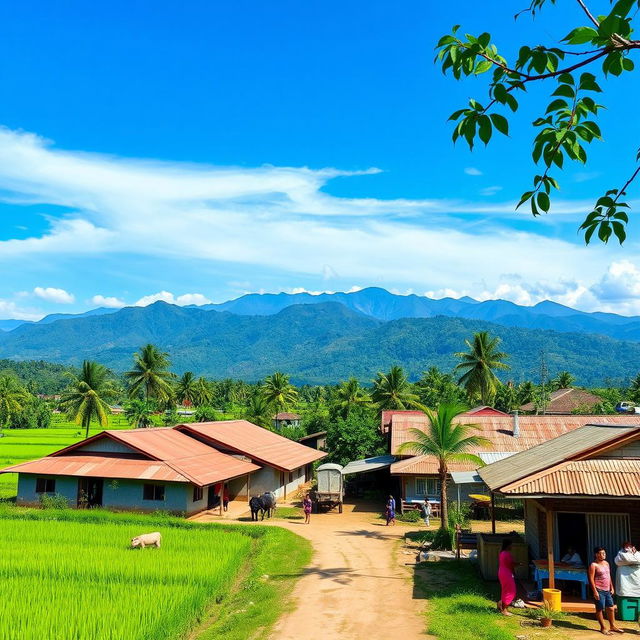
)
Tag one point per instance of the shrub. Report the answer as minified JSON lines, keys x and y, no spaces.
{"x":459,"y":514}
{"x":545,"y":612}
{"x":53,"y":501}
{"x":444,"y":540}
{"x":409,"y":516}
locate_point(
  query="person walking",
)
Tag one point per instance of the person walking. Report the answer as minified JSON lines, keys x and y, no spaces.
{"x":602,"y":590}
{"x":506,"y":567}
{"x":225,"y":497}
{"x":306,"y":505}
{"x":426,"y":511}
{"x":391,"y":511}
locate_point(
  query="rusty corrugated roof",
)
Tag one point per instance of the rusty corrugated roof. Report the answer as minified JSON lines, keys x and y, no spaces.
{"x":189,"y":459}
{"x":549,"y":454}
{"x":596,"y":477}
{"x":534,"y":430}
{"x":566,"y":401}
{"x":426,"y":465}
{"x":254,"y":442}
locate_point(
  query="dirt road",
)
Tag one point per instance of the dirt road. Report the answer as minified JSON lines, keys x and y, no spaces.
{"x":357,"y":587}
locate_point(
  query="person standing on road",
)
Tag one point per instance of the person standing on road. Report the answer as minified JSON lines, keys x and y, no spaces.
{"x":507,"y":580}
{"x":628,"y":574}
{"x":426,"y":511}
{"x":306,"y":505}
{"x":602,"y":590}
{"x":391,"y":511}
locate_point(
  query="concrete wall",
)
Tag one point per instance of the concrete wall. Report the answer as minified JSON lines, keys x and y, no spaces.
{"x":200,"y":505}
{"x":65,"y":486}
{"x":238,"y":488}
{"x":411,"y":493}
{"x":531,"y":530}
{"x":293,"y":480}
{"x":265,"y":479}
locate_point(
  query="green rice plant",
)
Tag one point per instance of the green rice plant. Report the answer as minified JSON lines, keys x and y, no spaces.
{"x":68,"y":574}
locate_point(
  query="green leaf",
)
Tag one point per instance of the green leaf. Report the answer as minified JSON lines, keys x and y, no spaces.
{"x":500,"y":93}
{"x":557,"y":104}
{"x":512,"y":103}
{"x":483,"y":66}
{"x":525,"y":196}
{"x":622,"y":7}
{"x":566,"y":78}
{"x":564,"y":90}
{"x":604,"y":232}
{"x":589,"y":233}
{"x":627,"y":64}
{"x":619,"y":230}
{"x":581,"y":35}
{"x":484,"y":128}
{"x":500,"y":123}
{"x":543,"y":201}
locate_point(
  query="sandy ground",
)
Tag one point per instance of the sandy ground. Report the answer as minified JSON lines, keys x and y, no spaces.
{"x":358,"y":586}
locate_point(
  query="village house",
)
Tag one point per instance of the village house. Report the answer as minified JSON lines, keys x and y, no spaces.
{"x":284,"y":419}
{"x":580,"y":490}
{"x":565,"y":402}
{"x":508,"y":434}
{"x":169,"y":469}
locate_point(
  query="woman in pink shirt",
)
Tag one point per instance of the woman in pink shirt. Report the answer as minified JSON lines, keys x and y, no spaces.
{"x":506,"y":567}
{"x":602,"y":590}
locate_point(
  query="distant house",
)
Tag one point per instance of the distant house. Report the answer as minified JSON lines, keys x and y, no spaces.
{"x":485,"y":411}
{"x":580,"y":490}
{"x":566,"y":402}
{"x":284,"y":464}
{"x":181,"y":469}
{"x":284,"y":419}
{"x":418,"y":475}
{"x":316,"y":440}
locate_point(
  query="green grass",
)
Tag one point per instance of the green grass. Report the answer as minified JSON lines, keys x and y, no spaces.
{"x":71,"y":574}
{"x":21,"y":445}
{"x":289,"y":513}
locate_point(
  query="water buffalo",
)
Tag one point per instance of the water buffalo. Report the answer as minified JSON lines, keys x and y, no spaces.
{"x":264,"y":503}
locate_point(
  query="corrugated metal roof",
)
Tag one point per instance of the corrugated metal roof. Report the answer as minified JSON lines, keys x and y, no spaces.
{"x":548,"y":454}
{"x":465,"y":477}
{"x":99,"y":466}
{"x":368,"y":464}
{"x":189,"y":459}
{"x":489,"y":457}
{"x":426,"y":465}
{"x":255,"y":442}
{"x":534,"y":430}
{"x":566,"y":401}
{"x":596,"y":477}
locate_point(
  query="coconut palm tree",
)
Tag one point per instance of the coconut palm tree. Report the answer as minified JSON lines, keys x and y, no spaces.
{"x":448,"y":442}
{"x":563,"y":380}
{"x":187,"y":388}
{"x":138,"y":413}
{"x":85,"y":400}
{"x":259,"y":411}
{"x":393,"y":391}
{"x":13,"y":397}
{"x":278,"y":392}
{"x":478,"y":365}
{"x":349,"y":395}
{"x":150,"y":374}
{"x":203,"y":392}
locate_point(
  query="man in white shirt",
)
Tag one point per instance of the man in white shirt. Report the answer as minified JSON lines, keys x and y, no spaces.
{"x":628,"y":573}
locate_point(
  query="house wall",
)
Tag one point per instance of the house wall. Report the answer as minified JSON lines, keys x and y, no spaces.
{"x":411,"y":493}
{"x":238,"y":488}
{"x":200,"y":505}
{"x":294,"y":480}
{"x":65,"y":486}
{"x":105,"y":445}
{"x":531,"y":528}
{"x":265,"y":479}
{"x":631,"y":450}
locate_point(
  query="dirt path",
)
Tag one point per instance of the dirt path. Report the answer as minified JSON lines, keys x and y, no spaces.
{"x":357,"y":587}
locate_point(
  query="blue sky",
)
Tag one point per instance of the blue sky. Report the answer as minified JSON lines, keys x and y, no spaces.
{"x":193,"y":152}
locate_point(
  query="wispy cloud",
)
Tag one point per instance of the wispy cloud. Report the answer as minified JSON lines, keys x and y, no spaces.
{"x":472,"y":171}
{"x":490,"y":191}
{"x":111,"y":302}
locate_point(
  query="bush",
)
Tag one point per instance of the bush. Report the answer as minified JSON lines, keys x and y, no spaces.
{"x":459,"y":514}
{"x":409,"y":516}
{"x":444,"y":540}
{"x":54,"y":501}
{"x":545,"y":612}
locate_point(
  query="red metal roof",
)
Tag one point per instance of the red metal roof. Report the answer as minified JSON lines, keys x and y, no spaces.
{"x":188,"y":459}
{"x":564,"y":401}
{"x":596,"y":477}
{"x":254,"y":442}
{"x":499,"y":430}
{"x":485,"y":411}
{"x":426,"y":465}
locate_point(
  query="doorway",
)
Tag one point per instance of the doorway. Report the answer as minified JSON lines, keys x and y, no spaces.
{"x":572,"y":533}
{"x":90,"y":492}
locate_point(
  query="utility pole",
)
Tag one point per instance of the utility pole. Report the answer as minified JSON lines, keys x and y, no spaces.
{"x":543,"y":380}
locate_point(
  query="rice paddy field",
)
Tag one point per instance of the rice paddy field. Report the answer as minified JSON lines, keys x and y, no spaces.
{"x":21,"y":445}
{"x":69,"y":575}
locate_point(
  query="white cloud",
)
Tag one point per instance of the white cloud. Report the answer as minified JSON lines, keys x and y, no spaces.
{"x":110,"y":302}
{"x":490,"y":191}
{"x":472,"y":171}
{"x":51,"y":294}
{"x":282,"y":221}
{"x":9,"y":309}
{"x":166,"y":296}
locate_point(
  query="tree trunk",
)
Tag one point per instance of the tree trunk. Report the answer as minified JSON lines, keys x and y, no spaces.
{"x":444,"y":506}
{"x":86,"y":424}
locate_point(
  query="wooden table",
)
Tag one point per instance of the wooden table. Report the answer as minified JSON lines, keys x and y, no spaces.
{"x":562,"y":571}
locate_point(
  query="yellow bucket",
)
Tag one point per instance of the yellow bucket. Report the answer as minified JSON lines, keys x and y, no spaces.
{"x":553,"y":598}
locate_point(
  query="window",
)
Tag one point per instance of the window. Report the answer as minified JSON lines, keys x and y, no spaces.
{"x":153,"y":492}
{"x":197,"y":493}
{"x":427,"y":486}
{"x":290,"y":476}
{"x":45,"y":485}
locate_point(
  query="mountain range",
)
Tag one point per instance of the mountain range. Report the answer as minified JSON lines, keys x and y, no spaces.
{"x":382,"y":305}
{"x":318,"y":343}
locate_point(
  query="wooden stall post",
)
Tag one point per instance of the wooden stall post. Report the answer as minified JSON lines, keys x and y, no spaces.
{"x":222,"y":486}
{"x":550,"y":558}
{"x":493,"y":512}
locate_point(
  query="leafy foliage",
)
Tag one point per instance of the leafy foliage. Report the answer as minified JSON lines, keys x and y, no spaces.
{"x":13,"y":397}
{"x":355,"y":437}
{"x":139,"y":413}
{"x":150,"y":375}
{"x":568,"y":124}
{"x":392,"y":390}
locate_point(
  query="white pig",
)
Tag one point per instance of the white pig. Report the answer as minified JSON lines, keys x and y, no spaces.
{"x":147,"y":540}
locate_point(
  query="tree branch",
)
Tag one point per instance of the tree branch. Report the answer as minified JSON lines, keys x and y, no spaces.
{"x":589,"y":15}
{"x":627,"y":183}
